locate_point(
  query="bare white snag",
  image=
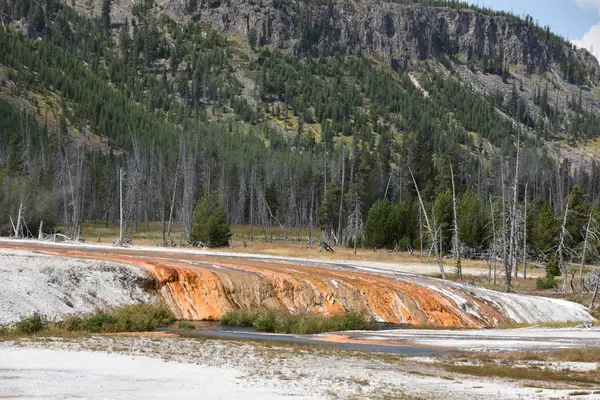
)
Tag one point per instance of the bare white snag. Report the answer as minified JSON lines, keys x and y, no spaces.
{"x":19,"y":217}
{"x":174,"y":193}
{"x":585,"y":245}
{"x":525,"y":235}
{"x":594,"y":281}
{"x":456,"y":239}
{"x":561,"y":247}
{"x":494,"y":249}
{"x":339,"y":230}
{"x":120,"y":242}
{"x":513,"y":217}
{"x":430,"y":230}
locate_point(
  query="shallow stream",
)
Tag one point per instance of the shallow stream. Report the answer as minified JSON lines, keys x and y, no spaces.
{"x":213,"y":330}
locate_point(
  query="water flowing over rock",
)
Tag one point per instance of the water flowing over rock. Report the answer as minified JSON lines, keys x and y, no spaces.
{"x":204,"y":287}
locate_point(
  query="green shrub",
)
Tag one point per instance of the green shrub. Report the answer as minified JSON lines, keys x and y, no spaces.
{"x":32,"y":324}
{"x":302,"y":324}
{"x":242,"y":317}
{"x":99,"y":323}
{"x":552,"y":271}
{"x":267,"y":321}
{"x":143,"y":317}
{"x":552,"y":268}
{"x":545,"y":283}
{"x":186,"y":325}
{"x":132,"y":318}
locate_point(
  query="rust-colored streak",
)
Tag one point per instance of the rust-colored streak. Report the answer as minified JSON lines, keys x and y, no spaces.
{"x":199,"y":287}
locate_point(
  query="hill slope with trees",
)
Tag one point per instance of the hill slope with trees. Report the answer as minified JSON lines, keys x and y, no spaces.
{"x":438,"y":127}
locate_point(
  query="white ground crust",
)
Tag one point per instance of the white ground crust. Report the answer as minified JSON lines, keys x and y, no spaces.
{"x":492,"y":340}
{"x":57,"y":286}
{"x":49,"y":374}
{"x":225,"y":370}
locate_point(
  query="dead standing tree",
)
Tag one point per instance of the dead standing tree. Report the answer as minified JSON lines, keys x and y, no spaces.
{"x":455,"y":237}
{"x":355,"y":219}
{"x":590,"y":244}
{"x":513,"y":260}
{"x":561,"y":249}
{"x":17,"y":226}
{"x":593,"y":281}
{"x":430,"y":230}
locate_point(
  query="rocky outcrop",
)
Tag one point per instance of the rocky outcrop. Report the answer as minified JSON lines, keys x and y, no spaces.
{"x":399,"y":34}
{"x":201,"y":287}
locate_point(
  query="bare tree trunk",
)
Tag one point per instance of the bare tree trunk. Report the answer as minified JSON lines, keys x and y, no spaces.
{"x":432,"y":234}
{"x":121,"y":227}
{"x":310,"y":211}
{"x":421,"y":230}
{"x":593,"y":301}
{"x":19,"y":217}
{"x":513,"y":216}
{"x":252,"y":212}
{"x":561,"y":248}
{"x":339,"y":230}
{"x":505,"y":233}
{"x":494,"y":244}
{"x":525,"y":235}
{"x":388,"y":184}
{"x":456,"y":239}
{"x":174,"y":193}
{"x":585,"y":245}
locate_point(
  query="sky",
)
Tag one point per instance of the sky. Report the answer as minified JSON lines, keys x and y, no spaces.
{"x":576,"y":20}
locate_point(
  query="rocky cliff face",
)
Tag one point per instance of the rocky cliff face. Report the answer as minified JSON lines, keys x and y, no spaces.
{"x":399,"y":34}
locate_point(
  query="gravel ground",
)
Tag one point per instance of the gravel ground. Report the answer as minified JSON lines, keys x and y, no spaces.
{"x":166,"y":367}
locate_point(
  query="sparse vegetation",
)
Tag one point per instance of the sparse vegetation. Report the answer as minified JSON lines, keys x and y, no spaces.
{"x":511,"y":372}
{"x":186,"y":325}
{"x":565,"y":355}
{"x":131,"y":318}
{"x":303,"y":324}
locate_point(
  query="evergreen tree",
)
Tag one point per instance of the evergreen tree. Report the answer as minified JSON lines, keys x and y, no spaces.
{"x":472,"y":221}
{"x":209,"y":225}
{"x":379,"y":228}
{"x":543,"y":230}
{"x":105,"y":17}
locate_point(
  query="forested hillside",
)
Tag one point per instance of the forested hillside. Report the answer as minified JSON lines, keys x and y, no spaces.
{"x":394,"y":124}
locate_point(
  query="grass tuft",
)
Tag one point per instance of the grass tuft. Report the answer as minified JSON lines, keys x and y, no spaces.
{"x":302,"y":324}
{"x":131,"y":318}
{"x":186,"y":325}
{"x":523,"y":373}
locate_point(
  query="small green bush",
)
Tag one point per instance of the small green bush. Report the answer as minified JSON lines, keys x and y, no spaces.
{"x":545,"y":283}
{"x":302,"y":324}
{"x":186,"y":325}
{"x":132,"y":318}
{"x":267,"y":322}
{"x":552,"y":268}
{"x":143,"y":317}
{"x":242,"y":317}
{"x":552,"y":271}
{"x":31,"y":325}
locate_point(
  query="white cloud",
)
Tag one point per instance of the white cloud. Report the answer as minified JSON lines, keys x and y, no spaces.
{"x":590,"y":40}
{"x":589,"y":3}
